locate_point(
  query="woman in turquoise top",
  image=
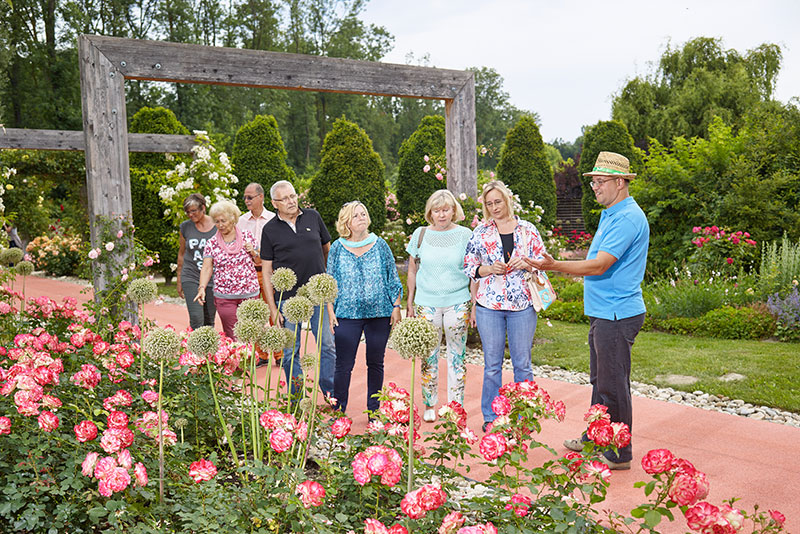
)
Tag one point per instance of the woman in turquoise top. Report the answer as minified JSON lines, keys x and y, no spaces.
{"x":368,"y":300}
{"x":438,"y":290}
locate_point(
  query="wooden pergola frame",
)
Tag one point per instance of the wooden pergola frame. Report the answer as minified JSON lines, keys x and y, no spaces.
{"x":106,"y":62}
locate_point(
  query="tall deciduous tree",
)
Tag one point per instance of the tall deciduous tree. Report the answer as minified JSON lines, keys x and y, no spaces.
{"x":693,"y":84}
{"x":524,"y":168}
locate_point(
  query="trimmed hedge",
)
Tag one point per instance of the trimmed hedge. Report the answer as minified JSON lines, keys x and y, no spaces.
{"x":414,"y":185}
{"x":571,"y":312}
{"x":349,"y":169}
{"x":610,"y":136}
{"x":157,"y":120}
{"x":259,"y":156}
{"x":523,"y":167}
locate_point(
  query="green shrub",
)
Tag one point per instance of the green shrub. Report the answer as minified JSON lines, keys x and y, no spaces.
{"x":571,"y":312}
{"x":524,"y":168}
{"x":567,"y":289}
{"x":152,"y":228}
{"x":349,"y":169}
{"x":683,"y":326}
{"x":396,"y":239}
{"x":780,"y":267}
{"x":259,"y":156}
{"x":157,"y":120}
{"x":736,"y":323}
{"x":58,"y":254}
{"x":414,"y":185}
{"x":610,"y":136}
{"x":695,"y":296}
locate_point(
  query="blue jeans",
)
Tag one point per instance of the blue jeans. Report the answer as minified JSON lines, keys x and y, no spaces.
{"x":327,"y":358}
{"x":492,"y":327}
{"x":610,"y":344}
{"x":348,"y":336}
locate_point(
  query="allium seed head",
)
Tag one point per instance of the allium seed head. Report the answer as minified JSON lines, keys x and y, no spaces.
{"x":204,"y":341}
{"x":142,"y":291}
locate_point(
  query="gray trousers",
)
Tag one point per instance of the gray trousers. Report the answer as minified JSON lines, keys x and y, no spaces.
{"x":199,"y":314}
{"x":610,"y":344}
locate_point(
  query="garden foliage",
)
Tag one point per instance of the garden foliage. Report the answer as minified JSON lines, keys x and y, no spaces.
{"x":414,"y":185}
{"x":349,"y":170}
{"x":258,"y":154}
{"x":524,"y":168}
{"x":609,"y":136}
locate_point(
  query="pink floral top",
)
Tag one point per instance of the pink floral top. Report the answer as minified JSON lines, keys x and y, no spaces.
{"x":235,"y":275}
{"x":509,"y":291}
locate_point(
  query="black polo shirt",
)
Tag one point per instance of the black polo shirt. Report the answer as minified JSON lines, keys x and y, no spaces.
{"x":300,"y":251}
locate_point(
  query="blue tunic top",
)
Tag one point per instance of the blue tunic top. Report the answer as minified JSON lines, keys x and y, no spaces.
{"x":625,"y":234}
{"x":368,"y":284}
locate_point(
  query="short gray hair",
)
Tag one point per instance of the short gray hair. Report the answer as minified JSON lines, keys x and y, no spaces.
{"x":226,"y":208}
{"x":259,"y":189}
{"x":279,"y":184}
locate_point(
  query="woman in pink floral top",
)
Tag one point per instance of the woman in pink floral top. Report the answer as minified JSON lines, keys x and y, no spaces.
{"x":230,"y":256}
{"x":494,"y":259}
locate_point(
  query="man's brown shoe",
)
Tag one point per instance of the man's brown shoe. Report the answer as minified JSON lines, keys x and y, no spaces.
{"x":574,"y":444}
{"x":617,"y":466}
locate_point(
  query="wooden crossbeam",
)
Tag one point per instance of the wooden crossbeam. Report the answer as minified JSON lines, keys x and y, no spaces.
{"x":23,"y":138}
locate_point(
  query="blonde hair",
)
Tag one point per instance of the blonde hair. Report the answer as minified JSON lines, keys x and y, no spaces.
{"x":441,"y":198}
{"x":346,"y":215}
{"x":226,"y":208}
{"x":497,"y":185}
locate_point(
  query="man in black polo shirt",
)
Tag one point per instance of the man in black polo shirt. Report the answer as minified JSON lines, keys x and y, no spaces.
{"x":299,"y":240}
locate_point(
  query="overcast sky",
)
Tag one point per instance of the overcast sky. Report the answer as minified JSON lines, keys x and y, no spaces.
{"x":565,"y":59}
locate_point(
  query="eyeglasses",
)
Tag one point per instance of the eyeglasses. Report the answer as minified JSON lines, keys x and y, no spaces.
{"x":251,"y":197}
{"x":492,"y":203}
{"x":597,"y":183}
{"x":287,"y":198}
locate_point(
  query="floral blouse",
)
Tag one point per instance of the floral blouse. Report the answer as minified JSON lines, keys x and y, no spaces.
{"x":509,"y":291}
{"x":368,"y":284}
{"x":235,"y":275}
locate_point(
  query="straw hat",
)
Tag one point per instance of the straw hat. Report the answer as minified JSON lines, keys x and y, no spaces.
{"x":611,"y":164}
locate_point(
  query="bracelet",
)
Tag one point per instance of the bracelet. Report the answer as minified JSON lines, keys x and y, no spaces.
{"x":396,"y":305}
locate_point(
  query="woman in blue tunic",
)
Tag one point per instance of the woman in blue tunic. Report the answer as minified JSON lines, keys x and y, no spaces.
{"x":368,"y":301}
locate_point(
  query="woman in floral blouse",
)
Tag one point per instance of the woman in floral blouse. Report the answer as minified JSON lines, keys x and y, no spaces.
{"x":368,"y":300}
{"x":230,"y":256}
{"x":494,"y":259}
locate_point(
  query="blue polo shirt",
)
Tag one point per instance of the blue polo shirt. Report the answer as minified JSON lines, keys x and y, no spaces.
{"x":625,"y":234}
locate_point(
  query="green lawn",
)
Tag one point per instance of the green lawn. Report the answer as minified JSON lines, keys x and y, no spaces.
{"x":170,"y":290}
{"x":772,"y":369}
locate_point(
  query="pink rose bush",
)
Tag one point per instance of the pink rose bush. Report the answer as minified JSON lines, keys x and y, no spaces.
{"x":75,"y":391}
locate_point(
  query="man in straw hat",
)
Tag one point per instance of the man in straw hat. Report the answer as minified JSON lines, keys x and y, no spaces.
{"x":612,"y":294}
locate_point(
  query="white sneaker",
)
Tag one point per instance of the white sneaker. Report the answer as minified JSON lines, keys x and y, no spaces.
{"x":429,"y":416}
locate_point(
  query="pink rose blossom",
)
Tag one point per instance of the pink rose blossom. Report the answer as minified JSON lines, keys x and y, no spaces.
{"x":688,"y":488}
{"x":597,"y":469}
{"x":148,"y":262}
{"x":397,"y":528}
{"x":202,"y":470}
{"x":521,"y":504}
{"x":389,"y":469}
{"x":439,"y":176}
{"x":150,"y":397}
{"x":601,"y":432}
{"x":87,"y":467}
{"x":493,"y":446}
{"x":85,"y":431}
{"x":120,"y":234}
{"x":48,"y":421}
{"x":451,"y":522}
{"x":373,"y":526}
{"x":302,"y":431}
{"x":341,"y":427}
{"x":140,"y":473}
{"x":622,"y":437}
{"x":597,"y":412}
{"x":701,"y":516}
{"x":124,"y":459}
{"x":5,"y":425}
{"x":88,"y":377}
{"x":657,"y":461}
{"x":777,"y":517}
{"x":110,"y":441}
{"x":280,"y":440}
{"x":431,"y":497}
{"x":311,"y":493}
{"x":426,"y":168}
{"x":94,"y":253}
{"x":411,"y":506}
{"x":104,"y":467}
{"x":501,"y":405}
{"x":110,"y":246}
{"x":118,"y":479}
{"x":117,"y":419}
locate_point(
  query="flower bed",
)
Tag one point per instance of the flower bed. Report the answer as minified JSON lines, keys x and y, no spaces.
{"x":80,"y":446}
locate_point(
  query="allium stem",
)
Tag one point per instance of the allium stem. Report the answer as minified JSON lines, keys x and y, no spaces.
{"x":160,"y":434}
{"x":411,"y":427}
{"x":234,"y":457}
{"x":315,"y":386}
{"x":290,"y":381}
